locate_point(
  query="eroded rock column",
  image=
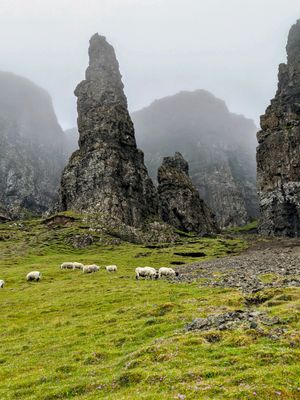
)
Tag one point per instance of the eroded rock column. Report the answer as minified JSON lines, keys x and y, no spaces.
{"x":278,"y":153}
{"x":107,"y":174}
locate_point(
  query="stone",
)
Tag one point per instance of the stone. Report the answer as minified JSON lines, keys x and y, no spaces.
{"x":219,"y":146}
{"x":278,"y":153}
{"x":180,"y":202}
{"x":107,"y":174}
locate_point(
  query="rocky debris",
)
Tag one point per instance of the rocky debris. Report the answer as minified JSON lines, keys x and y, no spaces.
{"x":250,"y":272}
{"x":278,"y":159}
{"x":107,"y":174}
{"x":180,"y":202}
{"x":232,"y":320}
{"x":31,"y":147}
{"x":219,"y":146}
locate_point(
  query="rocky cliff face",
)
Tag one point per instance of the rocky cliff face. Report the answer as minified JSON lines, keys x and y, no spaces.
{"x":180,"y":203}
{"x":31,"y":147}
{"x":107,"y":174}
{"x":218,"y":145}
{"x":278,"y":154}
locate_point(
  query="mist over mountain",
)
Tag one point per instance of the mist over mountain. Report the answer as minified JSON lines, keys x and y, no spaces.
{"x":32,"y":147}
{"x":218,"y":145}
{"x":71,"y":141}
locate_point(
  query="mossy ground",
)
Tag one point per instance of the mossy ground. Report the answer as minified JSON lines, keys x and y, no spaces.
{"x":108,"y":336}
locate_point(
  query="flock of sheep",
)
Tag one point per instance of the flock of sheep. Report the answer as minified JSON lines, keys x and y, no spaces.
{"x":87,"y":269}
{"x":140,"y":272}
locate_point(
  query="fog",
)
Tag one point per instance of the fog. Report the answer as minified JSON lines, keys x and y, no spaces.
{"x":231,"y":48}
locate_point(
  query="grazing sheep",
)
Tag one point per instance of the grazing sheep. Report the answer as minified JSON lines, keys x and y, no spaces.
{"x":78,"y":265}
{"x":88,"y":269}
{"x":169,"y":272}
{"x":146,"y":272}
{"x":67,"y":265}
{"x":2,"y":283}
{"x":111,"y":268}
{"x":34,"y":276}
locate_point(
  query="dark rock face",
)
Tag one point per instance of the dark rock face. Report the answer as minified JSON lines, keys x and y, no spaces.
{"x":107,"y":174}
{"x":31,"y":147}
{"x":180,"y":203}
{"x":219,"y":146}
{"x":278,"y":160}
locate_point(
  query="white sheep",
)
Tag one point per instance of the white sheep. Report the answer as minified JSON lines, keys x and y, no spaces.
{"x":168,"y":272}
{"x":67,"y":265}
{"x":2,"y":283}
{"x":111,"y":268}
{"x":146,"y":272}
{"x":88,"y":269}
{"x":34,"y":276}
{"x":78,"y":265}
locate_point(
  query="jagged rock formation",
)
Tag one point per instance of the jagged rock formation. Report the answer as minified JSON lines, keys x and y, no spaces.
{"x":180,"y":203}
{"x":278,"y":153}
{"x":107,"y":174}
{"x":218,"y":145}
{"x":31,"y":147}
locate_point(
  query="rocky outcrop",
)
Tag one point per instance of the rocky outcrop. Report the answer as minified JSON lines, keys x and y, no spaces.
{"x":232,"y":320}
{"x":278,"y":153}
{"x":219,"y":146}
{"x":31,"y":147}
{"x":180,"y":203}
{"x":107,"y":174}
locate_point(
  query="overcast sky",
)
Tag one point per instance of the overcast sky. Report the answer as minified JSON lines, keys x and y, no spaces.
{"x":229,"y":47}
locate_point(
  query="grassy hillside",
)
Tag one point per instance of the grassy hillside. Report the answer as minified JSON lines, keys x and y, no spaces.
{"x":108,"y":336}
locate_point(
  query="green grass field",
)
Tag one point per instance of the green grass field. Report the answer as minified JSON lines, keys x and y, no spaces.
{"x":108,"y":336}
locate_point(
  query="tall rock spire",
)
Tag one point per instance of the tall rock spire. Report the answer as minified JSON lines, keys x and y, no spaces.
{"x":107,"y":174}
{"x":278,"y":153}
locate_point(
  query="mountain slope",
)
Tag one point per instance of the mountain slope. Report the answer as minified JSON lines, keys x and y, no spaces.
{"x":32,"y":147}
{"x":218,"y":145}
